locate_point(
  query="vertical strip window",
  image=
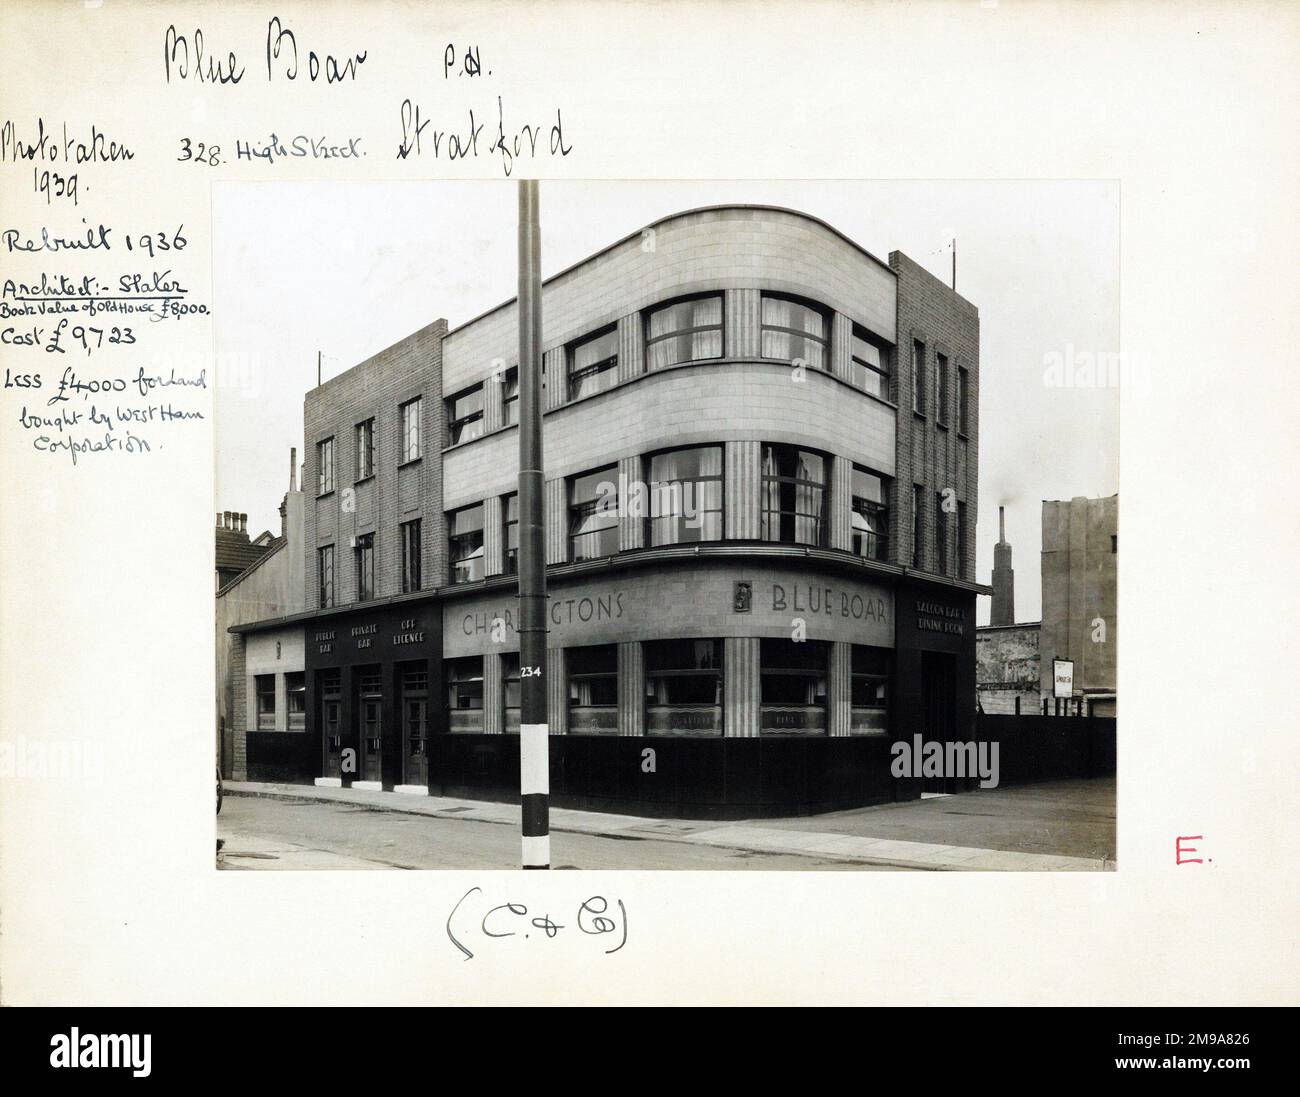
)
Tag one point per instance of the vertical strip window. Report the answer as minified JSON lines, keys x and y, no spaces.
{"x":940,"y":534}
{"x":918,"y":503}
{"x":941,"y":389}
{"x":365,"y":449}
{"x":412,"y":443}
{"x":325,"y":570}
{"x":918,"y":377}
{"x":410,"y":556}
{"x":365,"y":555}
{"x":325,"y":466}
{"x":510,"y":534}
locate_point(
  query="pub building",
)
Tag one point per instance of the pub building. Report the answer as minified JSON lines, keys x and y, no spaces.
{"x":760,"y":448}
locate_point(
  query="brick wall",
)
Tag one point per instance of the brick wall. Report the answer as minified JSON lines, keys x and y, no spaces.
{"x":376,"y":389}
{"x":239,"y":710}
{"x":937,"y":458}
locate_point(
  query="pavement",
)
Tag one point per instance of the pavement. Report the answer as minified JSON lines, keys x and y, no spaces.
{"x":1066,"y":826}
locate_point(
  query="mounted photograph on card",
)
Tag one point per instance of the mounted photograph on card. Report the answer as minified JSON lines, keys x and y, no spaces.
{"x":667,"y":525}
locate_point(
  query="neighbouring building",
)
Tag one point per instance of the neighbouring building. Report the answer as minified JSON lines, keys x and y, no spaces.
{"x":1080,"y":556}
{"x":761,"y":449}
{"x":1015,"y":661}
{"x":271,"y":584}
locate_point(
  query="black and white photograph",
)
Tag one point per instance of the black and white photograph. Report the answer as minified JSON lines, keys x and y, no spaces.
{"x":609,"y":503}
{"x":778,"y":434}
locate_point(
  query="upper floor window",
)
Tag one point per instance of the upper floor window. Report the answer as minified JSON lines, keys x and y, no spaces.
{"x":325,"y":571}
{"x":940,"y":534}
{"x":412,"y":444}
{"x":684,"y":331}
{"x":963,"y":399}
{"x":793,"y":495}
{"x":941,"y":389}
{"x":918,"y":377}
{"x":918,"y":502}
{"x":465,"y":543}
{"x":963,"y":544}
{"x":868,"y":367}
{"x":794,"y":331}
{"x":510,"y":534}
{"x":870,"y":514}
{"x":593,"y":363}
{"x":510,"y":397}
{"x":465,"y":416}
{"x":410,"y":556}
{"x":325,"y":466}
{"x":686,"y":495}
{"x":365,"y":449}
{"x":365,"y":553}
{"x":593,"y":515}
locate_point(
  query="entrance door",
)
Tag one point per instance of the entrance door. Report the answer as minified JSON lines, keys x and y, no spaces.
{"x":415,"y":726}
{"x":330,"y":683}
{"x":939,"y":704}
{"x":370,"y":714}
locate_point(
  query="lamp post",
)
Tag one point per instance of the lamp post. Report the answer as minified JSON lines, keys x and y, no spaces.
{"x":534,"y":746}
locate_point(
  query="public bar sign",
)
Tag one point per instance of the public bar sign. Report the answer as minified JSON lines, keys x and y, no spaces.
{"x":1062,"y":678}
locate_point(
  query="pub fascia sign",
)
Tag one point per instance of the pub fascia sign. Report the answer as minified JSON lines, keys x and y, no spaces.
{"x":409,"y":632}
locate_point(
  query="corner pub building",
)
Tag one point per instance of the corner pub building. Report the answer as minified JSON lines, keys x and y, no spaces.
{"x":760,"y":446}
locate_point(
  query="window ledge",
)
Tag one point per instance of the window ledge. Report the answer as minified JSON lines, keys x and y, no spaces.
{"x":413,"y":461}
{"x":325,"y":494}
{"x":364,"y":479}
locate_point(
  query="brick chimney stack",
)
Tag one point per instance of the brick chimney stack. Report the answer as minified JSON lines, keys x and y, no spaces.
{"x":1003,"y":610}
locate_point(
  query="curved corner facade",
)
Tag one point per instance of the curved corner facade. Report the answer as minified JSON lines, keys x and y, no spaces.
{"x":760,"y":446}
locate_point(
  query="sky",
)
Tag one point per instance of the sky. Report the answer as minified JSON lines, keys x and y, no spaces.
{"x":347,"y":269}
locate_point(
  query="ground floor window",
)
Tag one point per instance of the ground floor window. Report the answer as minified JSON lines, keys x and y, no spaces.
{"x":264,"y":686}
{"x":793,"y":680}
{"x":512,"y":689}
{"x":869,"y":690}
{"x":295,"y":698}
{"x":464,"y":694}
{"x":593,"y":690}
{"x":683,"y":687}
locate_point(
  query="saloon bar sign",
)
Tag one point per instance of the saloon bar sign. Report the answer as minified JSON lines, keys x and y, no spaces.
{"x":937,"y":617}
